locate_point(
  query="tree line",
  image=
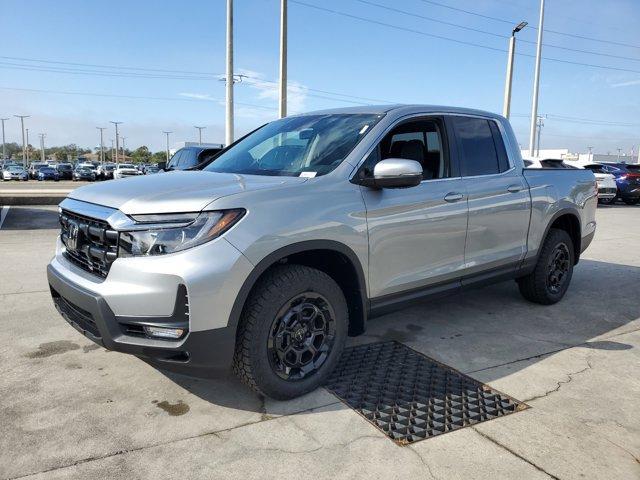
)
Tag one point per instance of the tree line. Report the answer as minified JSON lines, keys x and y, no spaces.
{"x":71,"y":152}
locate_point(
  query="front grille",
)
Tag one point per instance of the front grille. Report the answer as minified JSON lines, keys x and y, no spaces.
{"x":607,"y":190}
{"x":91,"y":244}
{"x":74,"y":314}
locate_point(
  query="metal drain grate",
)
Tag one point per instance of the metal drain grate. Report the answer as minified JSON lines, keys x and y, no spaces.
{"x":411,"y":397}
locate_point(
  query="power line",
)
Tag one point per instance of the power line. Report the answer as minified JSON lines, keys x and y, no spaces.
{"x":493,"y":34}
{"x":511,"y":22}
{"x":455,"y":40}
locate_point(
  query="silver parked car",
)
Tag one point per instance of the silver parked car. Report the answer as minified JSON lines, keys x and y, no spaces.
{"x":299,"y":233}
{"x":15,"y":172}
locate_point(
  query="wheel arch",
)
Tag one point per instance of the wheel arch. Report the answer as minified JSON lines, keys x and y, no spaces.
{"x":569,"y":221}
{"x":334,"y":258}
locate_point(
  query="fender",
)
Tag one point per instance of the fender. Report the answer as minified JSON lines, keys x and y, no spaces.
{"x":300,"y":247}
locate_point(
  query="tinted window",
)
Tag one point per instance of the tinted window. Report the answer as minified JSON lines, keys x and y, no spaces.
{"x":175,"y":160}
{"x":189,"y":159}
{"x":479,"y":155}
{"x":503,"y":159}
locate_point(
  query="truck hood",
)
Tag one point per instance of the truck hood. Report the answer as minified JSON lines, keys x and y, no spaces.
{"x":180,"y":191}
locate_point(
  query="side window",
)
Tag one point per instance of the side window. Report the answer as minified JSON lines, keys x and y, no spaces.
{"x":498,"y":141}
{"x":189,"y":159}
{"x":479,"y":154}
{"x":420,"y":141}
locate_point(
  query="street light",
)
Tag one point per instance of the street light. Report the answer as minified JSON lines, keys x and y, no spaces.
{"x":507,"y":87}
{"x":4,"y":148}
{"x":167,"y":134}
{"x":28,"y":159}
{"x":536,"y":82}
{"x":101,"y":144}
{"x":42,"y":135}
{"x":24,"y":147}
{"x":199,"y":133}
{"x":117,"y":141}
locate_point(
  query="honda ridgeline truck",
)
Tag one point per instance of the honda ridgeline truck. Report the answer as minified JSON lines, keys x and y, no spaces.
{"x":289,"y":240}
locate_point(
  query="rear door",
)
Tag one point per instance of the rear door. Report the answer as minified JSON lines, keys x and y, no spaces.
{"x":498,"y":196}
{"x":417,"y":234}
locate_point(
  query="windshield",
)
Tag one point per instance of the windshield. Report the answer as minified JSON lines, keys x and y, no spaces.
{"x":15,"y":169}
{"x":47,"y":170}
{"x":126,"y":165}
{"x":309,"y":144}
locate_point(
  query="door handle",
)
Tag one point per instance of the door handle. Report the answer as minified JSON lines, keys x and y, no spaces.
{"x":514,"y":188}
{"x":453,"y":197}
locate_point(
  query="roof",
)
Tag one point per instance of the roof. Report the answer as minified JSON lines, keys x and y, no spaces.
{"x":403,"y":109}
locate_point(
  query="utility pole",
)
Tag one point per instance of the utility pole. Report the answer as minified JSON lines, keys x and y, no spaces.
{"x":167,"y":134}
{"x":112,"y":151}
{"x":42,"y":135}
{"x":28,"y":159}
{"x":4,"y":148}
{"x":540,"y":125}
{"x":124,"y":155}
{"x":536,"y":82}
{"x":590,"y":154}
{"x":117,"y":141}
{"x":283,"y":58}
{"x":24,"y":146}
{"x":229,"y":75}
{"x":199,"y":133}
{"x":101,"y":144}
{"x":619,"y":149}
{"x":507,"y":86}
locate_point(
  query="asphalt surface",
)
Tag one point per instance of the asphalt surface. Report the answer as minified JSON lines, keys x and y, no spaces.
{"x":71,"y":410}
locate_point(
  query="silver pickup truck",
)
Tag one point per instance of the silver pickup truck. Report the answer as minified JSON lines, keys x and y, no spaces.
{"x":290,"y":239}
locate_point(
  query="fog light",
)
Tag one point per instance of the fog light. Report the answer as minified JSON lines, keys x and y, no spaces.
{"x":162,"y":332}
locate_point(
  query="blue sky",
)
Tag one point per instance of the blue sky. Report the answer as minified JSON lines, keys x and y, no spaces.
{"x":328,"y":52}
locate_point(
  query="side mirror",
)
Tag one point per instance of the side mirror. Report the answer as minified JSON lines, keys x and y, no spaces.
{"x":396,"y":173}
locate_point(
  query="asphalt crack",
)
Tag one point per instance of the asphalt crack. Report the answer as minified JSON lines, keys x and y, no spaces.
{"x":515,"y":454}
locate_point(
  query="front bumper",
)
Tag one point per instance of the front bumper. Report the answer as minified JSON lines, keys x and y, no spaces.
{"x":89,"y":313}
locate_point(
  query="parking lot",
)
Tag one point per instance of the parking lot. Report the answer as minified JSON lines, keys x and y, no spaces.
{"x":72,"y":410}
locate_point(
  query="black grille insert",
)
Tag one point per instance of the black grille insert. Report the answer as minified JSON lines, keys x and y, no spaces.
{"x":90,"y":243}
{"x":411,"y":397}
{"x":74,"y":314}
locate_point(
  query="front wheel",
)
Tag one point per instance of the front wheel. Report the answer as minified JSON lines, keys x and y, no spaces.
{"x":550,"y":279}
{"x":291,"y":333}
{"x":631,"y":201}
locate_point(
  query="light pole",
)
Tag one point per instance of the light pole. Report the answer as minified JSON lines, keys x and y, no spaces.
{"x":619,"y":149}
{"x":167,"y":134}
{"x":536,"y":82}
{"x":229,"y":74}
{"x":101,"y":145}
{"x":507,"y":86}
{"x":112,"y":151}
{"x":540,"y":125}
{"x":199,"y":133}
{"x":28,"y":159}
{"x":4,"y":148}
{"x":124,"y":155}
{"x":42,"y":135}
{"x":24,"y":146}
{"x":590,"y":154}
{"x":117,"y":141}
{"x":283,"y":58}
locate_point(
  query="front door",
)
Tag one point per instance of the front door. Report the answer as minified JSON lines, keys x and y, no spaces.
{"x":416,"y":235}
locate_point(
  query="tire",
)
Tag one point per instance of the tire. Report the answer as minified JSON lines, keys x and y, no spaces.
{"x":631,"y":201}
{"x":547,"y":284}
{"x":278,"y":301}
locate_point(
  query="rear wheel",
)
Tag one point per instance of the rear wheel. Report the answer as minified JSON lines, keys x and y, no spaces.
{"x":631,"y":201}
{"x":291,"y":333}
{"x":550,"y":279}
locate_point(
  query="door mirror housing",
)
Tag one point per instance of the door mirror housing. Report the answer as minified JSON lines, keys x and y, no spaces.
{"x":395,"y":173}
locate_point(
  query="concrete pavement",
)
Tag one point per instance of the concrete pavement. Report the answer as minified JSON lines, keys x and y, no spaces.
{"x":71,"y":410}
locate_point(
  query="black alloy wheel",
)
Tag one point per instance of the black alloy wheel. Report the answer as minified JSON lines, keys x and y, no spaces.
{"x":301,"y":336}
{"x":558,"y":268}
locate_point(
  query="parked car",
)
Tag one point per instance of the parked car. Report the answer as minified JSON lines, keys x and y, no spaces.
{"x":124,"y":170}
{"x":190,"y":157}
{"x":48,"y":173}
{"x":607,"y":188}
{"x":65,"y":171}
{"x":34,"y":168}
{"x":83,"y":173}
{"x":546,"y":163}
{"x":15,"y":172}
{"x":151,"y":169}
{"x":627,"y":181}
{"x":105,"y":172}
{"x":292,"y":238}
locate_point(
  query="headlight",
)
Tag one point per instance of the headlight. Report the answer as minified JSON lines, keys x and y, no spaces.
{"x":175,"y":232}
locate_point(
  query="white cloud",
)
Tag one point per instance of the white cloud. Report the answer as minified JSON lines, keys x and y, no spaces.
{"x":630,"y":83}
{"x":197,"y":96}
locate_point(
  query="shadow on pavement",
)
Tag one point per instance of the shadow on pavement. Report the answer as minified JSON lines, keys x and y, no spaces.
{"x":478,"y":330}
{"x":31,"y":218}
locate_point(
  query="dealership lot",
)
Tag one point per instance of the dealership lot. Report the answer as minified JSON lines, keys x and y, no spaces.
{"x":71,"y":410}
